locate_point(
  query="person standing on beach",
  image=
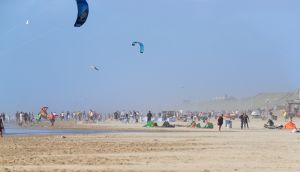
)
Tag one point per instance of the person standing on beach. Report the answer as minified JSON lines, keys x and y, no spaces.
{"x":242,"y":120}
{"x":149,"y":116}
{"x":51,"y":118}
{"x":220,"y":122}
{"x":21,"y":118}
{"x":127,"y":117}
{"x":246,"y":120}
{"x":3,"y":116}
{"x":135,"y":115}
{"x":1,"y":127}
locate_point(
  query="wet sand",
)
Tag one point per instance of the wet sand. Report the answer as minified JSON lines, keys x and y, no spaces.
{"x":183,"y":149}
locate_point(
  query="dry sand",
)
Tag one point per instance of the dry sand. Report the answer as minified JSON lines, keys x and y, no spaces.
{"x":183,"y":149}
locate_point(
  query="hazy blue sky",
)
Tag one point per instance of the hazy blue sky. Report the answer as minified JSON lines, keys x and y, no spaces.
{"x":194,"y":50}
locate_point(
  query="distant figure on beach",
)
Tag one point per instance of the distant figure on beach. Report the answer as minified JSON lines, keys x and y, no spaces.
{"x":1,"y":127}
{"x":247,"y":120}
{"x":2,"y":115}
{"x":244,"y":120}
{"x":209,"y":116}
{"x":127,"y":118}
{"x":62,"y":116}
{"x":51,"y":118}
{"x":68,"y":115}
{"x":149,"y":116}
{"x":220,"y":122}
{"x":21,"y":119}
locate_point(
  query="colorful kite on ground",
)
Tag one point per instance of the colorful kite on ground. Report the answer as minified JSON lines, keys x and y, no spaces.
{"x":43,"y":112}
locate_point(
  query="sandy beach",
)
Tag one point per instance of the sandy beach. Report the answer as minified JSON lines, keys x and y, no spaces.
{"x":107,"y":86}
{"x":184,"y":149}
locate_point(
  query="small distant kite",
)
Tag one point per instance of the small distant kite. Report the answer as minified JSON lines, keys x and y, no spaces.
{"x":95,"y":68}
{"x":140,"y":44}
{"x":83,"y":12}
{"x":27,"y":22}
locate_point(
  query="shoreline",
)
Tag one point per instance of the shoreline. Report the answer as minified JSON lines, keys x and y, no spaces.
{"x":116,"y":126}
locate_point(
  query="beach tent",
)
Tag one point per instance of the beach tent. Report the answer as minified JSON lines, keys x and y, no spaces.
{"x":167,"y":125}
{"x":149,"y":124}
{"x":290,"y":125}
{"x":171,"y":119}
{"x":255,"y":113}
{"x":209,"y":125}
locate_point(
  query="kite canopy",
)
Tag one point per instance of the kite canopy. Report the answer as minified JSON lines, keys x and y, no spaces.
{"x":140,"y":44}
{"x":43,"y":112}
{"x":95,"y":68}
{"x":83,"y":12}
{"x":290,"y":125}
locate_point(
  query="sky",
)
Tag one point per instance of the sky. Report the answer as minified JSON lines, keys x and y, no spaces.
{"x":194,"y":50}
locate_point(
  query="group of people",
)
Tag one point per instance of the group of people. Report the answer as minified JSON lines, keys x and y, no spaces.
{"x":23,"y":118}
{"x":128,"y":117}
{"x":244,"y":118}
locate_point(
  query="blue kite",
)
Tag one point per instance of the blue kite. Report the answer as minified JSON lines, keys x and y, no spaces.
{"x":83,"y":12}
{"x":140,"y":44}
{"x":95,"y":68}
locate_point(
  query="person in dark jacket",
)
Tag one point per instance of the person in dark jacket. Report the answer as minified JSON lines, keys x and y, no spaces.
{"x":149,"y":116}
{"x":1,"y":127}
{"x":244,"y":120}
{"x":220,"y":122}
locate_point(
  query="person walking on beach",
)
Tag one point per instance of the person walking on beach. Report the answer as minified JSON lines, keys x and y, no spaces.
{"x":220,"y":122}
{"x":1,"y":127}
{"x":149,"y":116}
